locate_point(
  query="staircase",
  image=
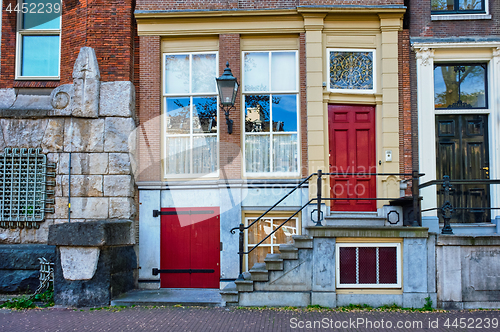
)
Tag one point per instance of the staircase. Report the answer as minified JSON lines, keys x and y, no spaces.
{"x":282,"y":280}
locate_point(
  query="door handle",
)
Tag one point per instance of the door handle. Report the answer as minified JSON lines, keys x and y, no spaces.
{"x":486,"y":168}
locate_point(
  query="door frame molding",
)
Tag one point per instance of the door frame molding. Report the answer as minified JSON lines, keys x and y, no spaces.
{"x":426,"y":55}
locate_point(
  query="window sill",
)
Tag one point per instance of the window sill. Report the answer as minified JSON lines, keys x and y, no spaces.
{"x":459,"y":17}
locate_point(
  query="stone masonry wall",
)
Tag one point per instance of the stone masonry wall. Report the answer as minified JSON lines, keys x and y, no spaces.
{"x":97,"y":129}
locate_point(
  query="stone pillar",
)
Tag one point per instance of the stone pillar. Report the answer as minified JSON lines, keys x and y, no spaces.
{"x":95,"y":261}
{"x":86,"y":81}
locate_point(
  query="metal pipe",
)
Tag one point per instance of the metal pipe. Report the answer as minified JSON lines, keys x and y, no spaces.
{"x":69,"y":188}
{"x":318,"y":192}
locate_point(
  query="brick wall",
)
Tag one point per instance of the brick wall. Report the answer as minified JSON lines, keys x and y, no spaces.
{"x":422,"y":26}
{"x":230,"y":145}
{"x":303,"y":104}
{"x":150,"y":110}
{"x":251,"y":4}
{"x":105,"y":25}
{"x":405,"y":122}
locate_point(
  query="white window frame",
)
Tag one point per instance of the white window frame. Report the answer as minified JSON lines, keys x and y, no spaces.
{"x":191,"y":135}
{"x":271,"y":134}
{"x":357,"y":91}
{"x":249,"y":220}
{"x":351,"y":245}
{"x":20,"y":32}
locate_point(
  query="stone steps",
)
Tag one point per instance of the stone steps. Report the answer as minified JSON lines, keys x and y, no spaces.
{"x":266,"y":283}
{"x":354,"y":219}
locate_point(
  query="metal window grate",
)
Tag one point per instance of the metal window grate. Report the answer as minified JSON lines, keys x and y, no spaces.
{"x":23,"y":187}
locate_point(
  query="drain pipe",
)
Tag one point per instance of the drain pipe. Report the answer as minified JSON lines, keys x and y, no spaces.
{"x":69,"y":169}
{"x":69,"y":188}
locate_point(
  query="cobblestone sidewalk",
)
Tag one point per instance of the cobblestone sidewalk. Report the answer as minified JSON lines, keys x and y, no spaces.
{"x":223,"y":319}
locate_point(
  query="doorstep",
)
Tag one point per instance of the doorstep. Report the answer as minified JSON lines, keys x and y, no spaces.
{"x":169,"y":297}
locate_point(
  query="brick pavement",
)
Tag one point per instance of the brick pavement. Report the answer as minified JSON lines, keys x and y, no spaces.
{"x":232,"y":319}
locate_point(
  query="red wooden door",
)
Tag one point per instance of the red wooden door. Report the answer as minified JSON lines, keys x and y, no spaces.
{"x":352,"y":150}
{"x":190,"y":248}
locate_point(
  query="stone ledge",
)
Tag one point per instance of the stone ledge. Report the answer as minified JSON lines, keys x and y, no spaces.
{"x":91,"y":234}
{"x":25,"y":256}
{"x":356,"y":231}
{"x":468,"y":240}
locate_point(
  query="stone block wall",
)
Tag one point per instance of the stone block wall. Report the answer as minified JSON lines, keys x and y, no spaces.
{"x":91,"y":122}
{"x":468,"y":272}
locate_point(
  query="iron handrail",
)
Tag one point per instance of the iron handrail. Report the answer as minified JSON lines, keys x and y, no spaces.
{"x":277,"y":203}
{"x":447,"y":208}
{"x":472,"y":181}
{"x":274,"y":231}
{"x":414,"y":176}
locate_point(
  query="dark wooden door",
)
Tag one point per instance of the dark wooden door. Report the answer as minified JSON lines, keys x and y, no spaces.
{"x":462,"y":154}
{"x":352,"y":150}
{"x":190,"y":248}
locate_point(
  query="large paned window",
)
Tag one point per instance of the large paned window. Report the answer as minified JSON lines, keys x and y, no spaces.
{"x":368,"y":265}
{"x":458,"y":86}
{"x":351,"y":70}
{"x":190,"y":109}
{"x":457,"y":6}
{"x":271,"y":246}
{"x":270,"y":88}
{"x":38,"y":39}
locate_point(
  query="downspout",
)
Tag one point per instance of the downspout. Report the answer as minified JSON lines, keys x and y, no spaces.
{"x":69,"y":169}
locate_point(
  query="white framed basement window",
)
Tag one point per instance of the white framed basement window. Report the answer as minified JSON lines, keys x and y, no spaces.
{"x":271,"y":246}
{"x":351,"y":70}
{"x":38,"y":42}
{"x":271,"y":100}
{"x":191,"y":136}
{"x":368,"y":265}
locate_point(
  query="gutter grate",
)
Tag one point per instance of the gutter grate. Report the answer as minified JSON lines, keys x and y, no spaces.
{"x":23,"y":184}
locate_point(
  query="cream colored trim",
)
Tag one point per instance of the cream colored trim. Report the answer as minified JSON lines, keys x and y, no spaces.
{"x":269,"y":42}
{"x":260,"y":21}
{"x":190,"y":44}
{"x":207,"y":25}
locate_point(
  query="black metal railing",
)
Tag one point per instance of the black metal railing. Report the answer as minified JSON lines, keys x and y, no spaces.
{"x":415,"y":198}
{"x":447,"y":207}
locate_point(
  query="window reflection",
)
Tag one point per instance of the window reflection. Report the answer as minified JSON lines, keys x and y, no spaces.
{"x":460,"y":86}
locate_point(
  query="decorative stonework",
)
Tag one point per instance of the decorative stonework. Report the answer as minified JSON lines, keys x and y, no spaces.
{"x":424,"y":54}
{"x":86,"y":84}
{"x":92,"y":121}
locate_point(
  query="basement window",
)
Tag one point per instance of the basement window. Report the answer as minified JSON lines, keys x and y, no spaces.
{"x":368,"y":265}
{"x":23,"y":181}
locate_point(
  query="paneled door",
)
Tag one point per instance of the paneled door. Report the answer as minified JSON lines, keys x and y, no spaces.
{"x":352,"y":150}
{"x":462,"y":154}
{"x":190,"y":248}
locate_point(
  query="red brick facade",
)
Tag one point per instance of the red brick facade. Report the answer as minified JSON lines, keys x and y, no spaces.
{"x":405,"y":124}
{"x":108,"y":26}
{"x":252,"y":4}
{"x":421,"y":24}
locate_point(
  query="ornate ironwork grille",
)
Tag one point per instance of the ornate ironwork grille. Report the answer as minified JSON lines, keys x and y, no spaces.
{"x":23,"y":187}
{"x":351,"y":70}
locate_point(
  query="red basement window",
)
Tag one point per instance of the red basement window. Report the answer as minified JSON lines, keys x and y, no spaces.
{"x":368,"y":265}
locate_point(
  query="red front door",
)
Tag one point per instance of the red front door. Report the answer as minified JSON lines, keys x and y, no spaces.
{"x":352,"y":150}
{"x":190,"y":248}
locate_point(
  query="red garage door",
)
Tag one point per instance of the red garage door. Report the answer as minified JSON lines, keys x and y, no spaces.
{"x":190,"y":248}
{"x":352,"y":150}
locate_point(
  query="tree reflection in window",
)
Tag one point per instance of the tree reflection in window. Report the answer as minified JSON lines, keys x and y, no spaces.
{"x":460,"y":86}
{"x":457,"y":6}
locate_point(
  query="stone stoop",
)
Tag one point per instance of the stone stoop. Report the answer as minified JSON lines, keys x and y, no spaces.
{"x":261,"y":284}
{"x":355,"y":219}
